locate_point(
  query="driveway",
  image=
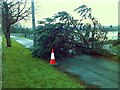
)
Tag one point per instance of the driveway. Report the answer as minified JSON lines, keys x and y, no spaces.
{"x":93,"y":70}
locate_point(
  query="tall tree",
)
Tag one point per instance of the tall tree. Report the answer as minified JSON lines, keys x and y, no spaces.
{"x":13,"y":11}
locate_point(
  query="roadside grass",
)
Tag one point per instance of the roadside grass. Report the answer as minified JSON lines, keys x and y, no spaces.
{"x":108,"y":55}
{"x":22,"y":70}
{"x":110,"y":41}
{"x":117,"y":47}
{"x":111,"y":56}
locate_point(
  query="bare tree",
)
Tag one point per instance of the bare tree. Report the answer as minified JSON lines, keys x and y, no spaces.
{"x":13,"y":11}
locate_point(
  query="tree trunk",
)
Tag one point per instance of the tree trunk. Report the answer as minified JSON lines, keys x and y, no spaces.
{"x":93,"y":34}
{"x":92,"y":42}
{"x":7,"y":37}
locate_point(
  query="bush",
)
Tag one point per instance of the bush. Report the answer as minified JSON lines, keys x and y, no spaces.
{"x":117,"y":42}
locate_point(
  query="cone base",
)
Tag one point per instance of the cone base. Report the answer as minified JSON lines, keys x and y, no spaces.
{"x":53,"y":62}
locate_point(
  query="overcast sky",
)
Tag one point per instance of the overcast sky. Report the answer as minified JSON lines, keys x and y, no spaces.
{"x":106,"y":11}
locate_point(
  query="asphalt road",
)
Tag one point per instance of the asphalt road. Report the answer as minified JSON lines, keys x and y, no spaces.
{"x":93,"y":70}
{"x":25,"y":42}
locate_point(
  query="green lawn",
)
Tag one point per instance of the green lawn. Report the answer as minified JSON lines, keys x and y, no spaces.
{"x":118,"y":48}
{"x":21,"y":70}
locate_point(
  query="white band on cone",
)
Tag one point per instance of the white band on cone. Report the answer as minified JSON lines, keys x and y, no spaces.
{"x":52,"y":56}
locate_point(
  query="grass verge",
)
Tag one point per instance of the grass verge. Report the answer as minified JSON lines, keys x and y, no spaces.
{"x":21,"y":70}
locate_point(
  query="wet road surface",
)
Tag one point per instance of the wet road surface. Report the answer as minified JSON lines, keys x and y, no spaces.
{"x":92,"y":70}
{"x":25,"y":42}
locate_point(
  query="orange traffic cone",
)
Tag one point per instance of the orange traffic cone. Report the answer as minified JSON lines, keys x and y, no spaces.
{"x":52,"y":60}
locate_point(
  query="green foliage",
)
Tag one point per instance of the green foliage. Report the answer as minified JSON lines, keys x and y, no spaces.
{"x":117,"y":42}
{"x":53,"y":36}
{"x":59,"y":33}
{"x":68,"y":35}
{"x":18,"y":28}
{"x":117,"y":47}
{"x":22,"y":70}
{"x":94,"y":32}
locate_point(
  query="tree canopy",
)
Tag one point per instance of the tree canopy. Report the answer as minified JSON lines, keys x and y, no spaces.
{"x":67,"y":35}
